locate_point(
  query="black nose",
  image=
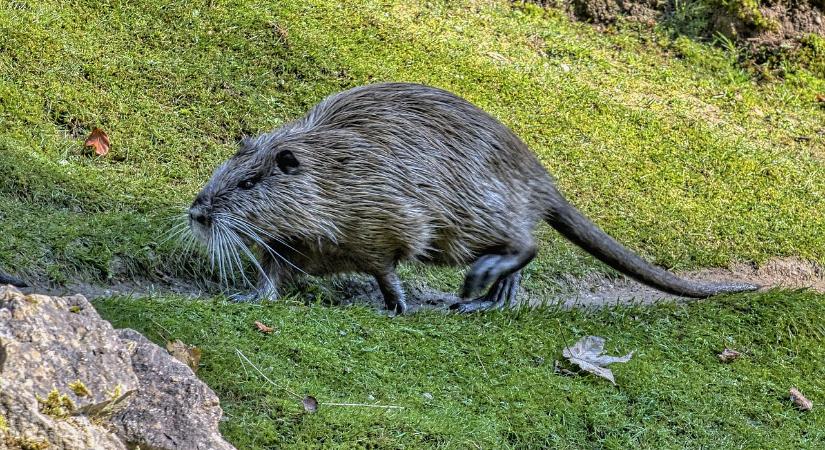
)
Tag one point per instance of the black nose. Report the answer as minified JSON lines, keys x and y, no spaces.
{"x":197,"y":214}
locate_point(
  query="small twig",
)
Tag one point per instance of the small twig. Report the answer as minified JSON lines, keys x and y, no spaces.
{"x":563,"y":336}
{"x":237,"y":353}
{"x":240,"y":353}
{"x":168,"y":334}
{"x":365,"y":405}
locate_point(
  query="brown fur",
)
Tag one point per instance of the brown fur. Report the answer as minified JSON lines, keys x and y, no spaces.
{"x":392,"y":172}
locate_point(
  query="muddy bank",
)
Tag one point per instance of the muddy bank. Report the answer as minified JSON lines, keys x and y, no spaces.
{"x":788,"y":273}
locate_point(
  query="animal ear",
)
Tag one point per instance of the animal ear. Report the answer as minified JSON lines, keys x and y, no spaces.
{"x":246,"y":146}
{"x":287,"y":162}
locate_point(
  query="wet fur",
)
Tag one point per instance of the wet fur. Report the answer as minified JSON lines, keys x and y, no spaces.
{"x":395,"y":172}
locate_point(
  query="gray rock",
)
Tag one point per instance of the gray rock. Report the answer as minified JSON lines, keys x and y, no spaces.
{"x":68,"y":380}
{"x":52,"y":342}
{"x":172,"y":409}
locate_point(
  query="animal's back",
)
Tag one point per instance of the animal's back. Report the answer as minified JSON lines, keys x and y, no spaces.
{"x":388,"y":172}
{"x":441,"y":159}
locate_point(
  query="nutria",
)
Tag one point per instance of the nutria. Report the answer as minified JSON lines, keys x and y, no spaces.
{"x":393,"y":172}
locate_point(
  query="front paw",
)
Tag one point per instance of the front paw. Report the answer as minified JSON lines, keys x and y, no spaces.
{"x":397,"y":308}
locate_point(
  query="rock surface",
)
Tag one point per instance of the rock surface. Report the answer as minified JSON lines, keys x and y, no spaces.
{"x":68,"y":380}
{"x":179,"y":409}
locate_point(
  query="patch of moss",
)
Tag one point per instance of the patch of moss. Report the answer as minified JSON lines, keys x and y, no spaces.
{"x":117,"y":392}
{"x":811,"y":54}
{"x":31,"y":444}
{"x":19,"y":443}
{"x":748,"y":12}
{"x":56,"y":405}
{"x":79,"y":389}
{"x":492,"y":378}
{"x":682,"y":179}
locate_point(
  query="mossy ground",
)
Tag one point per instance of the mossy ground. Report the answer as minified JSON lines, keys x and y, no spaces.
{"x":491,"y":376}
{"x":668,"y":144}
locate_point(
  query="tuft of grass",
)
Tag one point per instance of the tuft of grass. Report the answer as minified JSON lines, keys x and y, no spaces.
{"x":685,"y":159}
{"x":488,"y":380}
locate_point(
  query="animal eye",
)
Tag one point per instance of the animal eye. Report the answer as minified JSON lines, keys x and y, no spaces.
{"x":246,"y":184}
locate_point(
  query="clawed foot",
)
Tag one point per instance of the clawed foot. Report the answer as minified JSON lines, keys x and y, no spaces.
{"x":493,"y":269}
{"x":487,"y":269}
{"x":398,"y":308}
{"x":502,"y":293}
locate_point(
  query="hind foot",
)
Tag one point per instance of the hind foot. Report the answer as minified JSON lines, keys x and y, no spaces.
{"x":502,"y":292}
{"x":494,"y":267}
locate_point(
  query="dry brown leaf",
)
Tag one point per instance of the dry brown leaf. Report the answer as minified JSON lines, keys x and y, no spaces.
{"x":801,"y":402}
{"x":587,"y":354}
{"x":263,"y":328}
{"x":187,"y":354}
{"x":99,"y":141}
{"x":820,"y":98}
{"x":728,"y":355}
{"x":310,"y":404}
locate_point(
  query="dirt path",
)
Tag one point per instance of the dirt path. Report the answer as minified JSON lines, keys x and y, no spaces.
{"x":791,"y":273}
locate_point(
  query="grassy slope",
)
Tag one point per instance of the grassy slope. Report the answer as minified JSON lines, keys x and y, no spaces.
{"x":666,"y":144}
{"x":687,"y":160}
{"x":491,"y":376}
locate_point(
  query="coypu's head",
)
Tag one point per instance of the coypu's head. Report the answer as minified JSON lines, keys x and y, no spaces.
{"x":251,"y":198}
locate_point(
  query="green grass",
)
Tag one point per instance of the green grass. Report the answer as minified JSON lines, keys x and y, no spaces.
{"x":491,"y":376}
{"x":667,"y":143}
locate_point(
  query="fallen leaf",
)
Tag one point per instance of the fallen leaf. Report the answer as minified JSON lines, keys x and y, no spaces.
{"x":728,"y":355}
{"x":310,"y":404}
{"x":587,"y":354}
{"x":99,"y":141}
{"x":800,"y":400}
{"x":820,"y":98}
{"x":187,"y":354}
{"x":263,"y":328}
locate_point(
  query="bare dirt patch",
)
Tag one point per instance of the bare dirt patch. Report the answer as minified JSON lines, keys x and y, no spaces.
{"x":597,"y":291}
{"x":771,"y":24}
{"x":789,"y":273}
{"x":786,"y":273}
